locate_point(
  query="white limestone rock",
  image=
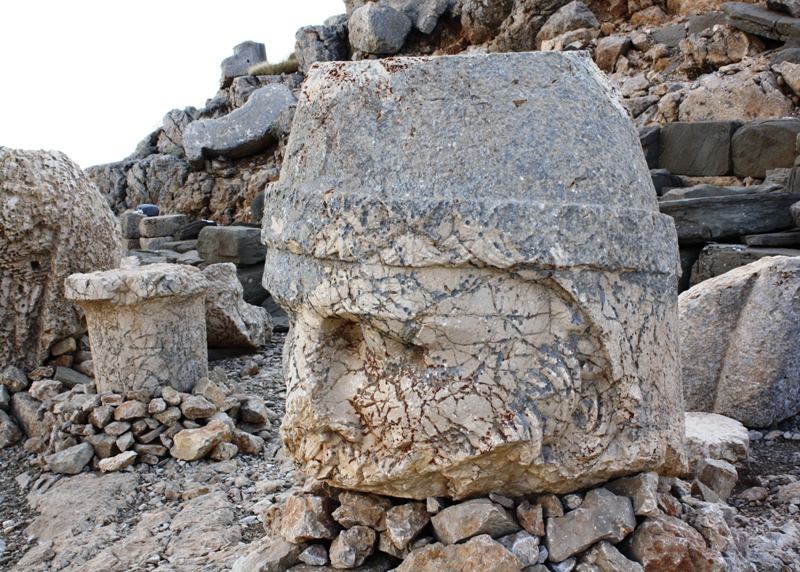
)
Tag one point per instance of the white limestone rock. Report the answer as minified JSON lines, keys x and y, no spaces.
{"x":146,"y":326}
{"x":53,"y":223}
{"x":713,"y":436}
{"x":230,"y":321}
{"x":482,"y":294}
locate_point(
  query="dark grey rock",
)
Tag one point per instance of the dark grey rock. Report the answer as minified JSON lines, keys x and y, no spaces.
{"x":670,"y":36}
{"x":246,"y":131}
{"x":192,"y":230}
{"x":795,"y":210}
{"x":638,"y":105}
{"x":688,"y":257}
{"x":9,"y":432}
{"x":71,"y":461}
{"x":245,"y":55}
{"x":170,"y":141}
{"x":663,"y":180}
{"x":789,"y":238}
{"x":5,"y":398}
{"x":791,"y":7}
{"x":757,"y":19}
{"x":129,"y":223}
{"x":257,"y":208}
{"x":424,"y":14}
{"x":161,"y":226}
{"x":717,"y":259}
{"x":721,"y":218}
{"x":280,"y":319}
{"x":250,"y":278}
{"x":699,"y":191}
{"x":326,"y":43}
{"x":69,"y":378}
{"x":764,"y":144}
{"x":378,"y":29}
{"x":791,"y":55}
{"x":700,"y":22}
{"x":154,"y":181}
{"x":698,"y":148}
{"x":237,"y":244}
{"x":649,"y":137}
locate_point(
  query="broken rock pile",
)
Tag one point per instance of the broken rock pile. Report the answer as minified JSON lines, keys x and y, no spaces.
{"x":643,"y":522}
{"x":71,"y":430}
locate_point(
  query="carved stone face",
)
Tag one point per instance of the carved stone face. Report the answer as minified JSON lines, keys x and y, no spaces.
{"x":473,"y":309}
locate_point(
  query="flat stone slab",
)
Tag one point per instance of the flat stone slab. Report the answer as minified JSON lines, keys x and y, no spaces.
{"x":717,"y":259}
{"x":719,"y":218}
{"x":697,"y":148}
{"x":757,"y":19}
{"x":237,"y":244}
{"x":243,"y":132}
{"x":789,"y":238}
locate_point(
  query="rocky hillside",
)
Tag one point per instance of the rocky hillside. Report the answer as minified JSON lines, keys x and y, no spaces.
{"x":690,"y":60}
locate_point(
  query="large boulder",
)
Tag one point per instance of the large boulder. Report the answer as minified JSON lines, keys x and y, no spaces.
{"x":246,"y":131}
{"x":740,"y":343}
{"x":53,"y":222}
{"x":378,"y":29}
{"x":464,"y":292}
{"x":764,"y":145}
{"x":230,"y":321}
{"x":697,"y":148}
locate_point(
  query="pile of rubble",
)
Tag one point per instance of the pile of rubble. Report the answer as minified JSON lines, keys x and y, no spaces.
{"x":70,"y":430}
{"x":642,"y":522}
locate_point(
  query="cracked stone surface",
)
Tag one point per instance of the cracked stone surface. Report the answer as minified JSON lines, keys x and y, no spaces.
{"x":146,"y":326}
{"x":486,"y":304}
{"x":53,"y":223}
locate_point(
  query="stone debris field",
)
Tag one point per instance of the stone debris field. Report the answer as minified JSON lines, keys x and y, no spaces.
{"x":462,"y":286}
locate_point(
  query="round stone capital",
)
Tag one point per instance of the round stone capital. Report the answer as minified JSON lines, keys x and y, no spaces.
{"x":130,"y":286}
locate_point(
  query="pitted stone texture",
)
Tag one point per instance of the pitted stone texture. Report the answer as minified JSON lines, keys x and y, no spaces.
{"x":146,"y":325}
{"x":230,"y":321}
{"x":453,"y":333}
{"x":53,"y":222}
{"x":739,"y":343}
{"x":246,"y":131}
{"x":479,"y":553}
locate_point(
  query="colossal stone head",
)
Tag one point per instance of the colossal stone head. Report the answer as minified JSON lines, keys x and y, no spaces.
{"x":481,"y":288}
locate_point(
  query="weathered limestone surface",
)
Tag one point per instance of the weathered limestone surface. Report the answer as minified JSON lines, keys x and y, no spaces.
{"x":230,"y":321}
{"x":461,"y":250}
{"x":713,"y":436}
{"x":53,"y":223}
{"x":739,"y":343}
{"x":146,"y":325}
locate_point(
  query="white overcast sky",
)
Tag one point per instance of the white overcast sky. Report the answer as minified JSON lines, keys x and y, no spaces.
{"x":91,"y":78}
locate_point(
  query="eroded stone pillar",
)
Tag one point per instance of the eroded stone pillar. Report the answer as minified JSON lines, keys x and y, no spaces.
{"x":146,"y":325}
{"x":481,"y":287}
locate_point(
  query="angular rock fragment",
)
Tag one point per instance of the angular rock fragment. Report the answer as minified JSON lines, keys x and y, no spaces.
{"x":26,"y":411}
{"x":713,"y":436}
{"x":667,"y":543}
{"x":315,"y":555}
{"x":161,"y":226}
{"x":194,"y":444}
{"x":641,"y":489}
{"x":326,"y":43}
{"x":352,"y":547}
{"x":719,"y":476}
{"x":398,"y":294}
{"x":224,"y":452}
{"x":378,"y":29}
{"x":72,"y":460}
{"x":9,"y":432}
{"x":308,"y":517}
{"x":130,"y":410}
{"x":608,"y":559}
{"x":479,"y":553}
{"x":245,"y":55}
{"x":405,"y":522}
{"x":365,"y":510}
{"x":531,"y":518}
{"x":230,"y":321}
{"x":523,"y":545}
{"x":602,"y":516}
{"x":247,"y":444}
{"x":697,"y":148}
{"x":472,"y":518}
{"x":14,"y":379}
{"x":197,"y":407}
{"x":573,"y":16}
{"x":763,"y":145}
{"x":118,"y":462}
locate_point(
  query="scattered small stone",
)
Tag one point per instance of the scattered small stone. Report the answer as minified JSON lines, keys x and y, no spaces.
{"x":118,"y":462}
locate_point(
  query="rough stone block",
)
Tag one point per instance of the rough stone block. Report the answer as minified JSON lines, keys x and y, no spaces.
{"x":320,"y":44}
{"x":236,"y":244}
{"x":394,"y":263}
{"x":713,"y":436}
{"x":763,"y":145}
{"x":697,"y":148}
{"x":649,"y":138}
{"x":162,"y":226}
{"x":129,"y":224}
{"x":717,"y":259}
{"x":378,"y":29}
{"x":230,"y":321}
